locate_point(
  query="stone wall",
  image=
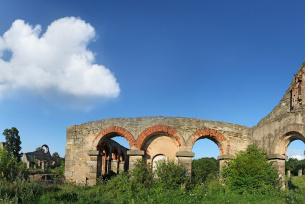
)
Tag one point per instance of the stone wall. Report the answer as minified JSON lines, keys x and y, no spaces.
{"x":174,"y":137}
{"x":143,"y":134}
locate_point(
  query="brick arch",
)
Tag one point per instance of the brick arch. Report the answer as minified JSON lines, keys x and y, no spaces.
{"x":102,"y":138}
{"x":211,"y":134}
{"x":150,"y":131}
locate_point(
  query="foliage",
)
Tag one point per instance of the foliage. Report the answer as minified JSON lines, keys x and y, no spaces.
{"x":201,"y":168}
{"x":141,"y":175}
{"x":171,"y":175}
{"x":122,"y":189}
{"x":60,"y":171}
{"x":294,"y":165}
{"x":250,"y":172}
{"x":13,"y":141}
{"x":10,"y":168}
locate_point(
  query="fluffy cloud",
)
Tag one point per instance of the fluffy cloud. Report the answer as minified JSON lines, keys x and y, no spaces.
{"x":295,"y":153}
{"x":57,"y":61}
{"x":298,"y":157}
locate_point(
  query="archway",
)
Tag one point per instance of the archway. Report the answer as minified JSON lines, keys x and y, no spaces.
{"x":113,"y":142}
{"x":156,"y":159}
{"x":294,"y":146}
{"x":160,"y":144}
{"x":205,"y":163}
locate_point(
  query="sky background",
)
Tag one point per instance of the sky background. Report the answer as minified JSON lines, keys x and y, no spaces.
{"x":226,"y":61}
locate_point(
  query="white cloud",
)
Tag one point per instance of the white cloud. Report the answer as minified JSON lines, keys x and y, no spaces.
{"x":298,"y":157}
{"x":57,"y":61}
{"x":295,"y":153}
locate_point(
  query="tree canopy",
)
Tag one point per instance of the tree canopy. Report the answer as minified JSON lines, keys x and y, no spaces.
{"x":13,"y":141}
{"x":202,"y":167}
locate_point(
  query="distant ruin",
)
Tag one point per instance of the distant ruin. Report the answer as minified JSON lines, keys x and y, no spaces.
{"x":40,"y":158}
{"x":173,"y":137}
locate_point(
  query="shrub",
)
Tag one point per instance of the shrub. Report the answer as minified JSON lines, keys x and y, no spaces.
{"x":251,"y":172}
{"x":141,"y":174}
{"x":10,"y":168}
{"x":171,"y":175}
{"x":201,"y":168}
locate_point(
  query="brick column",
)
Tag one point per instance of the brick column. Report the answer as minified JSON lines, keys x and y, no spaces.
{"x":279,"y":164}
{"x":134,"y":155}
{"x":94,"y":165}
{"x":185,"y":158}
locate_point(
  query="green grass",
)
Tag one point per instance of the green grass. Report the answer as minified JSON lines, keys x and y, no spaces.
{"x":298,"y":181}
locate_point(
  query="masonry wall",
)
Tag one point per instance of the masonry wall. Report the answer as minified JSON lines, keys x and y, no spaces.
{"x":182,"y":133}
{"x":174,"y":137}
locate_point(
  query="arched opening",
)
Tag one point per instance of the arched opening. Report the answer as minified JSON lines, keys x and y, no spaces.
{"x":160,"y":144}
{"x":205,"y":147}
{"x":294,"y":148}
{"x":156,"y":159}
{"x":114,"y":160}
{"x":205,"y":163}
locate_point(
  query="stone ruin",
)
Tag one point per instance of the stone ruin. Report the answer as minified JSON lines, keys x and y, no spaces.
{"x":39,"y":158}
{"x":152,"y":138}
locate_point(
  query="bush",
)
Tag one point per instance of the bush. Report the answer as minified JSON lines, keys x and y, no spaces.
{"x":141,"y":175}
{"x":201,"y":168}
{"x":10,"y":168}
{"x":171,"y":175}
{"x":251,"y":172}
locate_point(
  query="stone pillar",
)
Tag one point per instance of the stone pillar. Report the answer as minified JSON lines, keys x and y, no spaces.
{"x":108,"y":165}
{"x":114,"y":166}
{"x":134,"y":155}
{"x":185,"y":158}
{"x":42,"y":165}
{"x":28,"y":164}
{"x":121,"y":166}
{"x":288,"y":173}
{"x":94,"y":165}
{"x":278,"y":162}
{"x":224,"y":160}
{"x":300,"y":172}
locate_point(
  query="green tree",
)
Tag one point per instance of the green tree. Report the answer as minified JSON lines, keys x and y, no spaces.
{"x":170,"y":175}
{"x":251,"y":172}
{"x":10,"y":168}
{"x":202,"y":167}
{"x":55,"y":155}
{"x":13,"y":141}
{"x":292,"y":165}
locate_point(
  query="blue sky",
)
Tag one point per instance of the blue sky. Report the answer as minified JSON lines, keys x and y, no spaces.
{"x":226,"y":61}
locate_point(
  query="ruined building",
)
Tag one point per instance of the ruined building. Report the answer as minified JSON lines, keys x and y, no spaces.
{"x":40,"y":158}
{"x":173,"y":137}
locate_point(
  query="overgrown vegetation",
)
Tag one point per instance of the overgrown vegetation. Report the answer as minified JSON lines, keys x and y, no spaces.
{"x":170,"y":183}
{"x":295,"y":165}
{"x":204,"y":167}
{"x":251,"y":172}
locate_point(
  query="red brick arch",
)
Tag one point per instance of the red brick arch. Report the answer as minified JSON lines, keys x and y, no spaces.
{"x":214,"y":135}
{"x":102,"y":138}
{"x":169,"y":131}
